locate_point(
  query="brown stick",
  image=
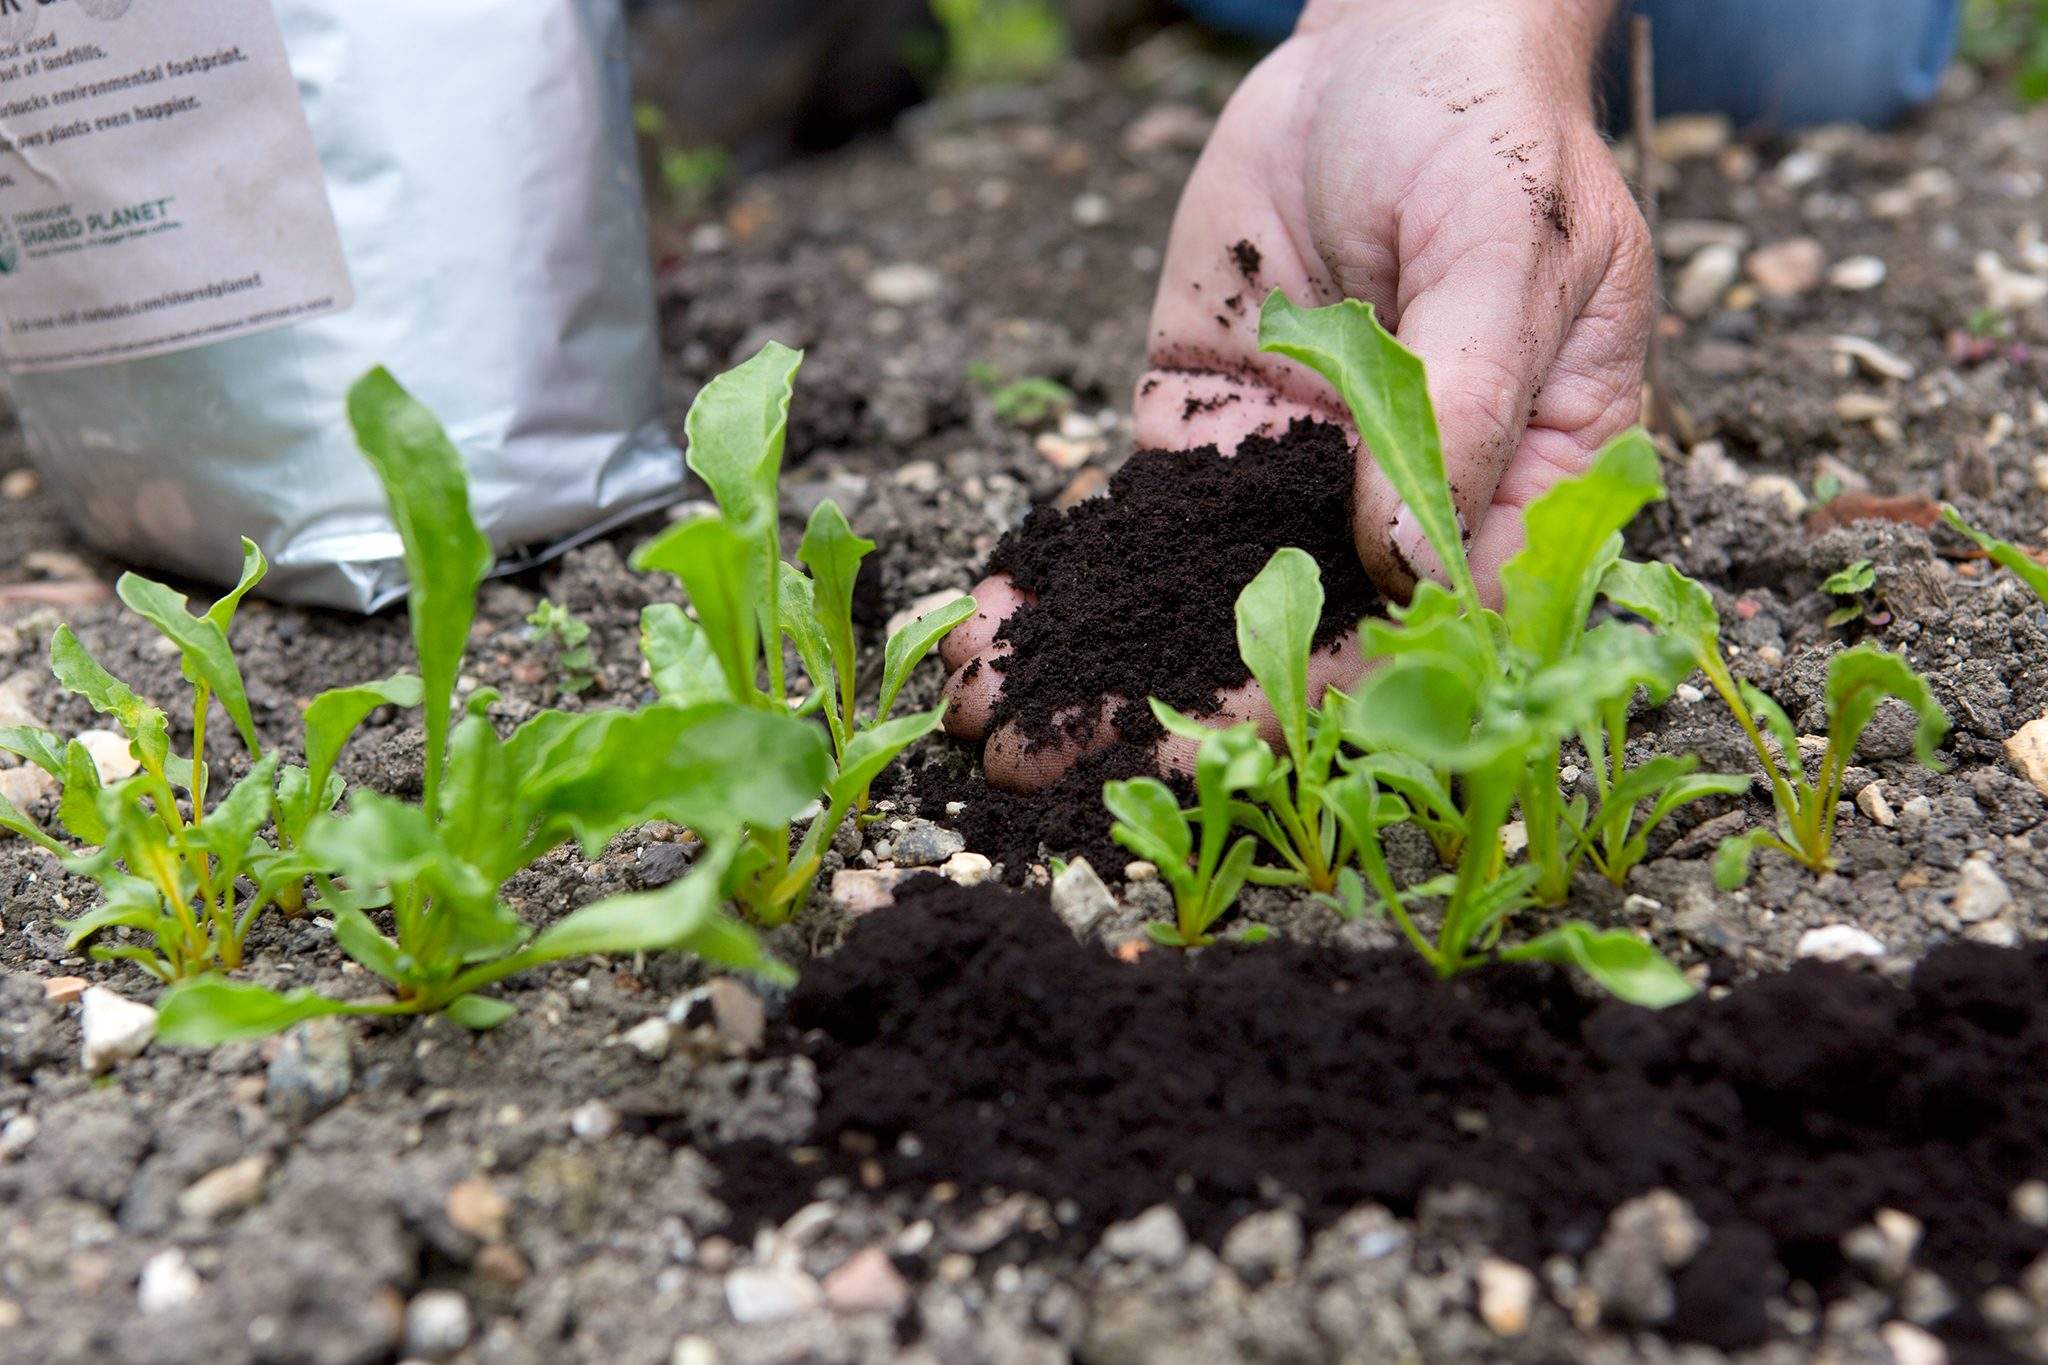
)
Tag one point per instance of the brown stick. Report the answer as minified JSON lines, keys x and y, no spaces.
{"x":1643,"y":115}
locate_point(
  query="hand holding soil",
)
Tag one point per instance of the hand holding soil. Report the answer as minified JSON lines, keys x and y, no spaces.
{"x":1442,"y":164}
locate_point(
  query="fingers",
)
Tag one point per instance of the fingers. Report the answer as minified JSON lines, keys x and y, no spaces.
{"x":1339,"y":664}
{"x":1182,"y":410}
{"x":995,"y":597}
{"x":969,"y":652}
{"x":1010,"y":762}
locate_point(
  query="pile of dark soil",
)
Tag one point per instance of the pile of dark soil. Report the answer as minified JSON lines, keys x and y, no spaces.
{"x":1136,"y":591}
{"x":1787,"y":1112}
{"x":1018,"y":830}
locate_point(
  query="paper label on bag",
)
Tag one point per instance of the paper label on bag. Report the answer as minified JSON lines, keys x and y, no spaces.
{"x":159,"y":187}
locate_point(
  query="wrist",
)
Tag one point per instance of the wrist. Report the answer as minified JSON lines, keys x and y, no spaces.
{"x":1564,"y":38}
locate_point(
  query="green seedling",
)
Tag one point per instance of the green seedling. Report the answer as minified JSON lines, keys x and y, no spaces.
{"x":995,"y":42}
{"x":747,"y":600}
{"x":575,"y":665}
{"x":1850,"y":586}
{"x":1193,"y":849}
{"x":1858,"y":680}
{"x":1033,"y":401}
{"x":2004,"y":553}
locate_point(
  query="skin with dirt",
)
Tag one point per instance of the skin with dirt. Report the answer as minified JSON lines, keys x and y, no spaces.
{"x":557,"y":1180}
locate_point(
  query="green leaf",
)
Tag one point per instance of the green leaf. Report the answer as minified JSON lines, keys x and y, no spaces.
{"x":720,"y":570}
{"x":479,"y":1013}
{"x":358,"y":937}
{"x":1858,"y":680}
{"x":207,"y":1011}
{"x":1150,"y":824}
{"x":1858,"y":577}
{"x":680,"y":658}
{"x":231,"y":826}
{"x":1572,"y":537}
{"x":1668,"y":600}
{"x":798,"y":607}
{"x":333,"y":717}
{"x":79,"y":808}
{"x":1384,"y":385}
{"x":1229,"y":880}
{"x":222,"y":612}
{"x":1417,"y":707}
{"x":1628,"y":968}
{"x":1277,"y":615}
{"x":39,"y":747}
{"x":736,"y":429}
{"x":201,"y":641}
{"x":135,"y":905}
{"x":12,"y":819}
{"x":640,"y":921}
{"x":872,"y":750}
{"x":1732,"y":858}
{"x":2004,"y":552}
{"x":908,"y":647}
{"x":832,"y":552}
{"x":78,"y":672}
{"x":1780,"y":727}
{"x":446,"y":557}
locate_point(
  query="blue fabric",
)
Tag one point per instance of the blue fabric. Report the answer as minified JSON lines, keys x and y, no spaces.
{"x":1775,"y":63}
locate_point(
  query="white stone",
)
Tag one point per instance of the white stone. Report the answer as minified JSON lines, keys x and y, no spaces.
{"x":1780,"y":489}
{"x":1703,"y":279}
{"x":1679,"y":239}
{"x":650,"y":1037}
{"x":2005,"y":289}
{"x":115,"y":1028}
{"x":1871,"y":801}
{"x":1838,"y":943}
{"x":1080,"y":899}
{"x":167,"y":1283}
{"x":438,"y":1323}
{"x":593,"y":1121}
{"x":756,"y":1294}
{"x":1980,"y":892}
{"x":859,"y":891}
{"x":694,"y":1350}
{"x":111,"y":755}
{"x":904,"y":284}
{"x":2028,"y":749}
{"x":225,"y":1190}
{"x":1912,"y":1345}
{"x":1091,"y":209}
{"x":1156,"y":1235}
{"x":18,"y":1134}
{"x":1507,"y":1294}
{"x":1853,"y":274}
{"x":967,"y":868}
{"x":1138,"y":870}
{"x":1679,"y":137}
{"x":866,"y":1283}
{"x":26,"y":785}
{"x":1873,"y":358}
{"x":1788,"y":269}
{"x":1800,"y":168}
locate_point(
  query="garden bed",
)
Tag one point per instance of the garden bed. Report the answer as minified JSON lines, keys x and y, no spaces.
{"x":578,"y":1185}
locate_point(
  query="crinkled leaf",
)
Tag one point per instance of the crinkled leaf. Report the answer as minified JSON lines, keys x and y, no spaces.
{"x":201,"y":642}
{"x":80,"y":673}
{"x":1852,"y":579}
{"x":1625,"y":966}
{"x":680,"y":657}
{"x":2030,"y":570}
{"x":1668,"y":600}
{"x":222,"y":612}
{"x":1572,"y":537}
{"x":12,"y":819}
{"x":39,"y":747}
{"x":1387,"y":390}
{"x":1277,"y":615}
{"x":736,"y":429}
{"x":720,"y":570}
{"x":79,"y":809}
{"x":446,"y":557}
{"x":207,"y":1011}
{"x":1859,"y":679}
{"x":908,"y":646}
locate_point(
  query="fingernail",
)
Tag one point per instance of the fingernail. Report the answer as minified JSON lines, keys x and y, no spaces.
{"x":1414,"y":549}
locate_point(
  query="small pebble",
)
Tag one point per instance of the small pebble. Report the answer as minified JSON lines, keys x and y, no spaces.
{"x":1507,"y":1294}
{"x":593,"y":1121}
{"x":904,"y":284}
{"x":866,"y":1283}
{"x":225,"y":1190}
{"x":1091,"y":209}
{"x":1156,"y":1235}
{"x":19,"y":484}
{"x":312,"y":1072}
{"x":649,"y":1038}
{"x":1080,"y":899}
{"x":111,"y":755}
{"x":2030,"y":1203}
{"x":1857,"y":273}
{"x":115,"y":1029}
{"x":1838,"y":943}
{"x":1873,"y":358}
{"x":168,"y":1283}
{"x":924,"y":844}
{"x":1265,"y":1245}
{"x":1785,"y":270}
{"x":1912,"y":1345}
{"x":755,"y":1294}
{"x":62,"y":990}
{"x":1980,"y":892}
{"x":1140,"y":871}
{"x":1871,"y":801}
{"x":967,"y":868}
{"x":728,"y":1007}
{"x":1702,"y":280}
{"x":17,"y":1135}
{"x":862,"y":890}
{"x":437,"y":1324}
{"x":476,"y":1207}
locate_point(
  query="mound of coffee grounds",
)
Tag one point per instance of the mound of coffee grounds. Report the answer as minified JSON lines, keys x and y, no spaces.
{"x":1786,"y":1113}
{"x":1136,"y":591}
{"x":1019,"y":829}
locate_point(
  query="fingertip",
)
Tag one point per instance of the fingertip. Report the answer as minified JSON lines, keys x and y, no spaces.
{"x":971,"y":695}
{"x":995,"y":598}
{"x":1011,"y":762}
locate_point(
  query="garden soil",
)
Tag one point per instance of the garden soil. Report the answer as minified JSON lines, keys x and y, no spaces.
{"x":551,"y":1191}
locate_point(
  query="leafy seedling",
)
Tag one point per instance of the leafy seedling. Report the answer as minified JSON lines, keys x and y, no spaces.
{"x":746,"y":600}
{"x":996,"y":42}
{"x":2004,"y":553}
{"x":1192,"y":849}
{"x":1033,"y":401}
{"x":1851,"y":587}
{"x":556,"y":626}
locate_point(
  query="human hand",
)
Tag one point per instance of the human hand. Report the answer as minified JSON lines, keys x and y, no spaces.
{"x":1438,"y":159}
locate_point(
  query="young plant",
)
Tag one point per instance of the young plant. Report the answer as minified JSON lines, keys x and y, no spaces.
{"x":989,"y":42}
{"x":1032,"y":401}
{"x":575,"y":665}
{"x":1858,"y":680}
{"x":746,"y":600}
{"x":1193,"y":849}
{"x":1850,"y":586}
{"x":2028,"y":569}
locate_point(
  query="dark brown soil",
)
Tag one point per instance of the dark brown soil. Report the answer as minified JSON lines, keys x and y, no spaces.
{"x":1784,"y":1111}
{"x":1020,"y":830}
{"x":1136,"y":592}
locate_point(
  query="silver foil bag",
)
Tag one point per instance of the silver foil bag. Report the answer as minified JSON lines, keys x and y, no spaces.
{"x":473,"y":222}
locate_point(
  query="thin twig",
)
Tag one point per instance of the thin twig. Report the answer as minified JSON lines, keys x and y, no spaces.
{"x":1643,"y":115}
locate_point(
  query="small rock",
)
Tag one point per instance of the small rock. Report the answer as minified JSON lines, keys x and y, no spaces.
{"x":694,"y":1351}
{"x":1838,"y":943}
{"x":1139,"y":870}
{"x":474,"y":1206}
{"x":1697,"y":290}
{"x":1873,"y":358}
{"x":1680,"y":239}
{"x":1091,"y":209}
{"x":1780,"y":489}
{"x":924,"y":844}
{"x":2007,"y":290}
{"x":1080,"y":899}
{"x":1885,"y":1245}
{"x":20,"y":484}
{"x":1863,"y":407}
{"x":1855,"y":274}
{"x":14,"y":700}
{"x":770,"y":1293}
{"x":225,"y":1190}
{"x":729,"y":1007}
{"x":115,"y":1029}
{"x":17,"y":1135}
{"x":1980,"y":892}
{"x":2028,"y":749}
{"x":904,"y":284}
{"x":1156,"y":1235}
{"x":1847,"y":477}
{"x":593,"y":1120}
{"x":1680,"y":137}
{"x":500,"y":1264}
{"x":26,"y":785}
{"x":862,"y":890}
{"x":62,"y":990}
{"x":312,"y":1071}
{"x":2030,"y":1203}
{"x":967,"y":869}
{"x":167,"y":1284}
{"x":1785,"y":270}
{"x":1167,"y":125}
{"x":866,"y":1283}
{"x":111,"y":755}
{"x":660,"y":864}
{"x":1646,"y":1238}
{"x":1264,"y":1245}
{"x":1800,"y":168}
{"x":1871,"y":801}
{"x":649,"y":1038}
{"x":437,"y":1324}
{"x":1912,"y":1345}
{"x":1065,"y":452}
{"x":1507,"y":1294}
